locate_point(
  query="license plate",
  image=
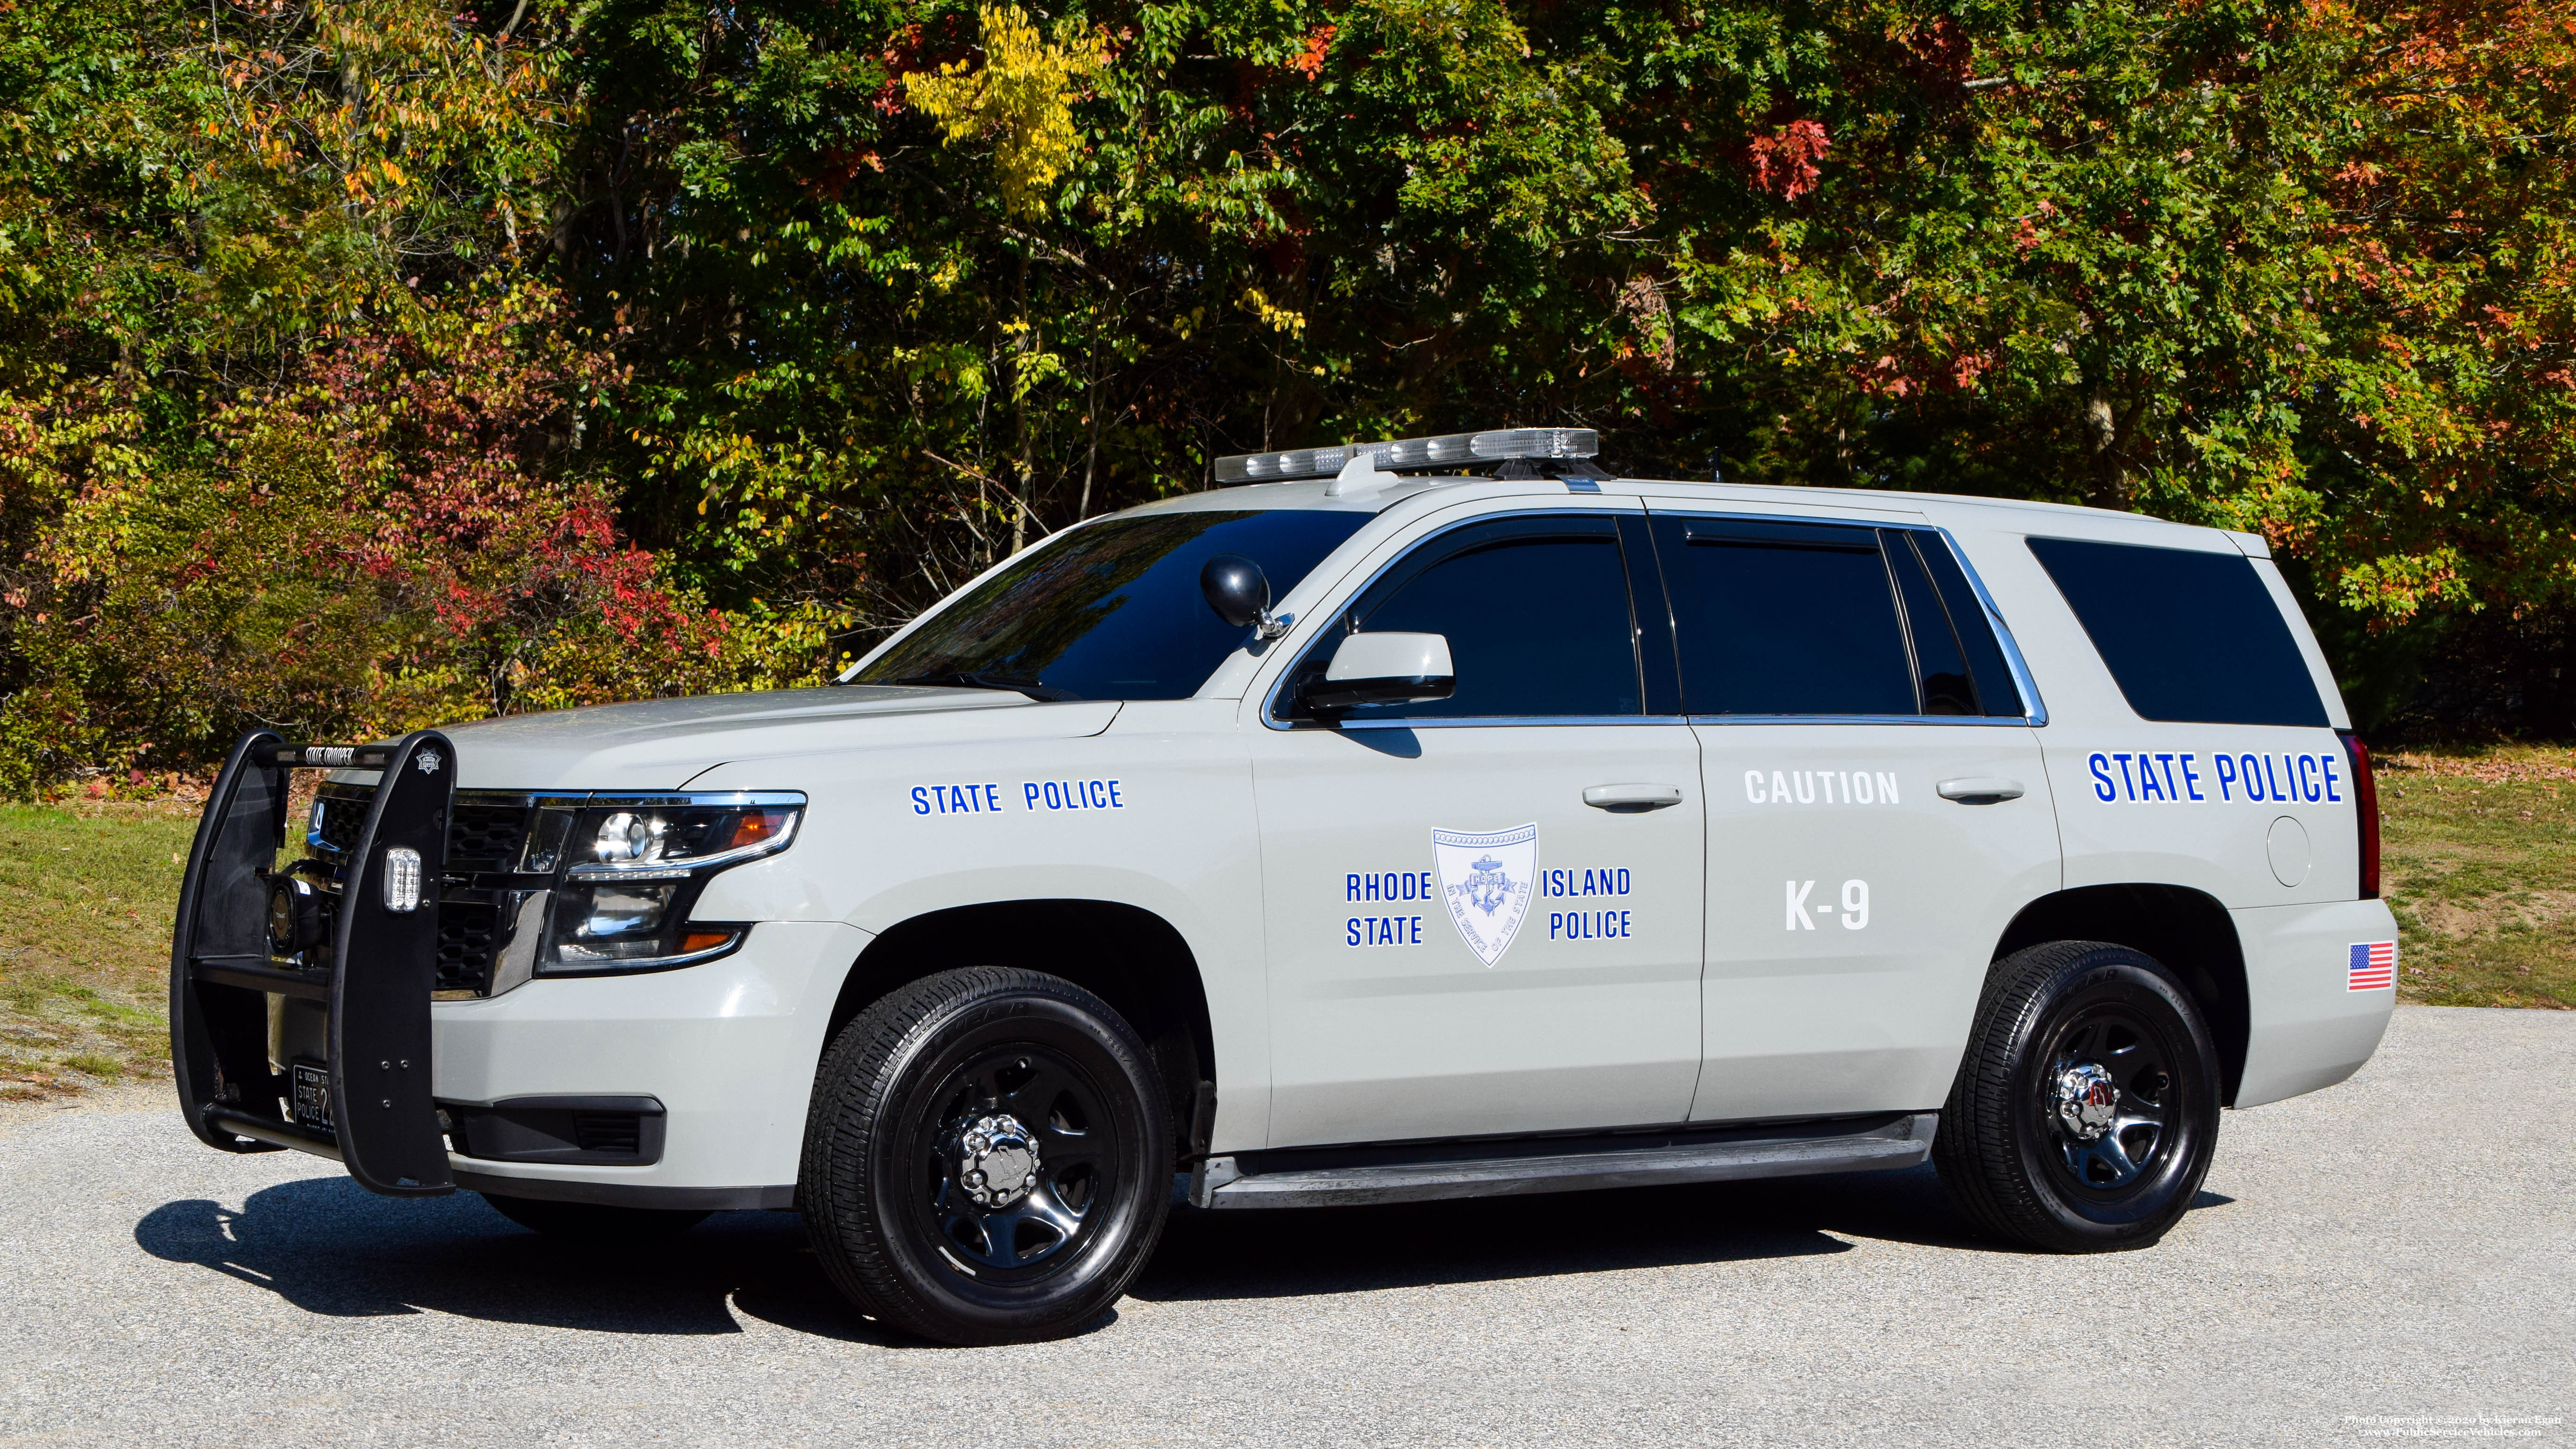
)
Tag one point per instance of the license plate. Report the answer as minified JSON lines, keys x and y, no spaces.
{"x":313,"y":1096}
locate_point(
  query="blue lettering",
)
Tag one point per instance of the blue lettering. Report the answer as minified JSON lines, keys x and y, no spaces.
{"x":2307,"y":778}
{"x":2253,"y":777}
{"x":1053,"y":794}
{"x":2226,"y":774}
{"x":2269,"y":783}
{"x":2166,"y":762}
{"x":2148,"y":789}
{"x":993,"y":798}
{"x":1114,"y":802}
{"x":920,"y":800}
{"x":2331,"y":782}
{"x":2101,"y":766}
{"x":1033,"y":795}
{"x":2128,"y":787}
{"x":1555,"y":924}
{"x":1351,"y":931}
{"x":2191,"y":779}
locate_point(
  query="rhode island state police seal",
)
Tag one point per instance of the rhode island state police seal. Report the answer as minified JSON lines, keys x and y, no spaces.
{"x":1486,"y":878}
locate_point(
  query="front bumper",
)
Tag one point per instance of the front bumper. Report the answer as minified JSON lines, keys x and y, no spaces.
{"x":727,"y":1048}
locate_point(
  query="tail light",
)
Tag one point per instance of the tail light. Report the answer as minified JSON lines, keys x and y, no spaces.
{"x":2365,"y":801}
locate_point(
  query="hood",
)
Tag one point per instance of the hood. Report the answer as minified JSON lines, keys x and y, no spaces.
{"x":660,"y":744}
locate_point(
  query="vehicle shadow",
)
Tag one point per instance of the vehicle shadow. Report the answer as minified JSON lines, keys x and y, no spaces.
{"x":331,"y":1248}
{"x":1276,"y":1253}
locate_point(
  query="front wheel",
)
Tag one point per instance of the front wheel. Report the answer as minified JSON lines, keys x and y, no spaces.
{"x":988,"y":1158}
{"x":2086,"y":1109}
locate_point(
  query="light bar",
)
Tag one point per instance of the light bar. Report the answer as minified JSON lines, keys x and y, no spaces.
{"x":1446,"y":450}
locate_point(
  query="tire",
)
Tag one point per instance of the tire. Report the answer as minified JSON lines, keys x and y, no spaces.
{"x":2086,"y":1108}
{"x":590,"y":1221}
{"x":928,"y":1099}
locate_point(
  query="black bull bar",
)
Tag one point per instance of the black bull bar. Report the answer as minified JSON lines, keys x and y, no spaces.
{"x":375,"y":985}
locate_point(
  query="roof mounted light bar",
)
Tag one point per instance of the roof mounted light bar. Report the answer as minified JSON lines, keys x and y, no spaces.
{"x":1448,"y":450}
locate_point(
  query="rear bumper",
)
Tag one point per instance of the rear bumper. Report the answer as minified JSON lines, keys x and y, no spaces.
{"x":727,"y":1048}
{"x":2307,"y":1028}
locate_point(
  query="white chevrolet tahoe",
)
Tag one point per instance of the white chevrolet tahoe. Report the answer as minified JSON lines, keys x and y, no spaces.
{"x":1427,"y":819}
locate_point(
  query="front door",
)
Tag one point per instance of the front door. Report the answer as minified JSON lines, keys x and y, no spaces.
{"x":1878,"y":808}
{"x":1484,"y":913}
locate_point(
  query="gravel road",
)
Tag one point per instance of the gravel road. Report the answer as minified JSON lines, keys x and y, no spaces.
{"x":2398,"y":1254}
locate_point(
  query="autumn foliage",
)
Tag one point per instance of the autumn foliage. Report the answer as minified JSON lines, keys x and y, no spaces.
{"x":376,"y":363}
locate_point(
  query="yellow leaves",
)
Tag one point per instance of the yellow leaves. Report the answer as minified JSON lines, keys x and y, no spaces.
{"x":1273,"y":316}
{"x":1020,"y":101}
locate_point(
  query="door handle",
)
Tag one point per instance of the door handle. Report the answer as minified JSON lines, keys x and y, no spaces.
{"x":1980,"y":787}
{"x":1631,"y":799}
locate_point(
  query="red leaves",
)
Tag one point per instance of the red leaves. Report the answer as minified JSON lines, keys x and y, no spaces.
{"x":1784,"y":162}
{"x":1311,"y":61}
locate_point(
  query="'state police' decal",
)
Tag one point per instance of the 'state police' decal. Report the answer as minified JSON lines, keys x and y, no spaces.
{"x":2181,"y":776}
{"x":1037,"y":797}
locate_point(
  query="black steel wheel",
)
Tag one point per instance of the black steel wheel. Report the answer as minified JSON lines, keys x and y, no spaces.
{"x":988,"y":1158}
{"x":2085,"y":1111}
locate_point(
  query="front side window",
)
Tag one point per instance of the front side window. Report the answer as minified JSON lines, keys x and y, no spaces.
{"x":1536,"y":612}
{"x":1112,"y":611}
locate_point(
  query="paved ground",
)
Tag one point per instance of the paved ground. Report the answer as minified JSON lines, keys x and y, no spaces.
{"x":2402,"y":1246}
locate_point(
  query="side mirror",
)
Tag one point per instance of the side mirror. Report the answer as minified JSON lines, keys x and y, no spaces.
{"x":1239,"y":592}
{"x":1389,"y":668}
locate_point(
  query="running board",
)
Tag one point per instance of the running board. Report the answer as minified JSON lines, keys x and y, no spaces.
{"x":1278,"y":1179}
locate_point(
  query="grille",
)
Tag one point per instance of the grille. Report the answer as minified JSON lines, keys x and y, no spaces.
{"x":465,"y":936}
{"x":342,"y":819}
{"x":611,"y":1132}
{"x":486,"y":837}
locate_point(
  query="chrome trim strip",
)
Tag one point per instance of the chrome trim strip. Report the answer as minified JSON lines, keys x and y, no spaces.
{"x":1517,"y":721}
{"x":2036,"y":715}
{"x":2013,"y":720}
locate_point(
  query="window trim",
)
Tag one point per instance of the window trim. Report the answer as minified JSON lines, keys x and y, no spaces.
{"x":2035,"y":709}
{"x":1325,"y":613}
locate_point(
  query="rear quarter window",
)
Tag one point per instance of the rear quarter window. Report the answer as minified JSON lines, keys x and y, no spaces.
{"x":2191,"y":637}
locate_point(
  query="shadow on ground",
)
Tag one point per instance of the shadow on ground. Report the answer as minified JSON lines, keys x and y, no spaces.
{"x":329,"y":1247}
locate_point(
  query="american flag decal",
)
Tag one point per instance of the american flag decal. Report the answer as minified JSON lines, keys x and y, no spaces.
{"x":2374,"y":966}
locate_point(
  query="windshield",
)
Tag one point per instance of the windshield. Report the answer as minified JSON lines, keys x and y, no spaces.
{"x":1112,"y":612}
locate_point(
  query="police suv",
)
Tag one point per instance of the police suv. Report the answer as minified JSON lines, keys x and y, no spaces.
{"x":1425,"y":819}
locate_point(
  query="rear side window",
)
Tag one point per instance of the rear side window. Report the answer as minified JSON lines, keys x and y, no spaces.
{"x":1786,"y":618}
{"x":1828,"y":619}
{"x":2191,"y":637}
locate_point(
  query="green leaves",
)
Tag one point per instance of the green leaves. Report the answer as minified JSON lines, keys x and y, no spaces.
{"x":881,"y":291}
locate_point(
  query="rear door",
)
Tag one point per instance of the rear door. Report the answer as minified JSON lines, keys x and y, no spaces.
{"x":1878,"y":805}
{"x":1460,"y":942}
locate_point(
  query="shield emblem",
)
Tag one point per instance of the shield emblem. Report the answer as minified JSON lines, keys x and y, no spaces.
{"x":1486,"y":878}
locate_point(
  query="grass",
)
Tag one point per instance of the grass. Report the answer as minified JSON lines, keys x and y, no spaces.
{"x":2478,"y":857}
{"x":86,"y":894}
{"x":2480,"y":861}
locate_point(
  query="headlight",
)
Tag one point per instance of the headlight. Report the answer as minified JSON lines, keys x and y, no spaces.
{"x":628,"y":872}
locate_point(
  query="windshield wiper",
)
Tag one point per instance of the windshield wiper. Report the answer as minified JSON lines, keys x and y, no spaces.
{"x":973,"y":679}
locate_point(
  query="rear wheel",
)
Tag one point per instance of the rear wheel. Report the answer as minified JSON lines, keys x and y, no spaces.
{"x":2086,"y":1109}
{"x":595,"y":1222}
{"x":988,"y":1159}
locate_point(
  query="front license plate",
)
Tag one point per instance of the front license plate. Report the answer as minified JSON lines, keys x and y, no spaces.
{"x":313,"y":1096}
